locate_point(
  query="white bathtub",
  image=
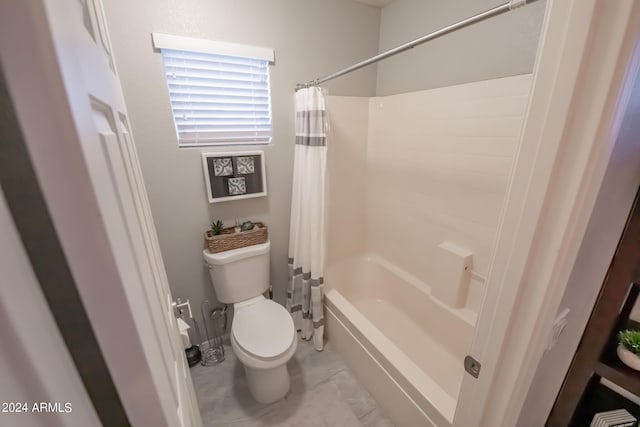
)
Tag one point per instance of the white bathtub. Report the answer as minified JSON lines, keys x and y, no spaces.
{"x":405,"y":347}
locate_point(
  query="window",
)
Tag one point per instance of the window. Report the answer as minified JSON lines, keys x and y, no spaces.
{"x":219,"y":92}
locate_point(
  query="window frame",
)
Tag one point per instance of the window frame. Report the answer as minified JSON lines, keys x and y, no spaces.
{"x":202,"y":46}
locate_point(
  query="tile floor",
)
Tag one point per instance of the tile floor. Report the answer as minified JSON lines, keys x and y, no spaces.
{"x":323,"y":393}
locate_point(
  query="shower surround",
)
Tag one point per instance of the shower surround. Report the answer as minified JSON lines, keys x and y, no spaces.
{"x":406,"y":173}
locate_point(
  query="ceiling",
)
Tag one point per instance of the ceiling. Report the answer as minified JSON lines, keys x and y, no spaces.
{"x":378,"y":3}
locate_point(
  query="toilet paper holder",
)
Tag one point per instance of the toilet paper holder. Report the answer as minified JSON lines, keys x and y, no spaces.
{"x":215,"y":323}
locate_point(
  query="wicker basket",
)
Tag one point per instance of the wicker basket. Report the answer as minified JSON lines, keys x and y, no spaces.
{"x":229,"y":239}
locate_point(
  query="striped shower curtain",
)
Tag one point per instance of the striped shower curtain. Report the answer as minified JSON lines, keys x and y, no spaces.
{"x":305,"y":291}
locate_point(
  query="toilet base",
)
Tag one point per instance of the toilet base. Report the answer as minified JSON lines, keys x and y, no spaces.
{"x":268,"y":380}
{"x":268,"y":385}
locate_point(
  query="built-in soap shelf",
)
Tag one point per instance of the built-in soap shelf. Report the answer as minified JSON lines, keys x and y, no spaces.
{"x":465,"y":314}
{"x":452,"y":273}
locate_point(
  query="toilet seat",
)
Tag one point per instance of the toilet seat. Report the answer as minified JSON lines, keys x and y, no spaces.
{"x":263,"y":329}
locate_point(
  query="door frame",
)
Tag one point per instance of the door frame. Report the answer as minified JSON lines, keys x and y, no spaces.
{"x":586,"y":55}
{"x":42,"y":75}
{"x":35,"y":363}
{"x":35,"y":273}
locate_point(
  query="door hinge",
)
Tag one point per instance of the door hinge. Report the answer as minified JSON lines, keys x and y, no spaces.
{"x":472,"y":366}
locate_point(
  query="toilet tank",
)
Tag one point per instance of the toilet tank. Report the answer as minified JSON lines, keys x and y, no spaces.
{"x":239,"y":274}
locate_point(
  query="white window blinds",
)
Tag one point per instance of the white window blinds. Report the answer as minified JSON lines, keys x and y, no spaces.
{"x":218,"y":99}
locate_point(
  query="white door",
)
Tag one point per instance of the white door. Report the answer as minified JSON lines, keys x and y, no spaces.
{"x":61,"y":71}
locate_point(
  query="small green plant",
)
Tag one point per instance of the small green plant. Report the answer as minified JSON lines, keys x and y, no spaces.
{"x":247,"y":225}
{"x":630,"y":339}
{"x":217,"y":227}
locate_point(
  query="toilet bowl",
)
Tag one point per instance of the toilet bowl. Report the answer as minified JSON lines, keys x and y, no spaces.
{"x":264,"y":347}
{"x":263,"y":335}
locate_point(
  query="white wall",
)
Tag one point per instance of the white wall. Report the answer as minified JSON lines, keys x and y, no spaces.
{"x":346,"y":176}
{"x":420,"y":168}
{"x":310,"y":38}
{"x":502,"y":46}
{"x":438,"y":167}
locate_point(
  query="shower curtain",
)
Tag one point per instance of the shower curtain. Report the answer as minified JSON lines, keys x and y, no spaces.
{"x":305,"y":291}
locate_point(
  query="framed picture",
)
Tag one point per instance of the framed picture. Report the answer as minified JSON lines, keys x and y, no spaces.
{"x":234,"y":175}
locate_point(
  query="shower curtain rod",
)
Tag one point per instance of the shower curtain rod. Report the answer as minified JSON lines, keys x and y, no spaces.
{"x":498,"y":10}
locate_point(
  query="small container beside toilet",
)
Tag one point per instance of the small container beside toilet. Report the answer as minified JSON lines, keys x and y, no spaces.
{"x":262,"y":336}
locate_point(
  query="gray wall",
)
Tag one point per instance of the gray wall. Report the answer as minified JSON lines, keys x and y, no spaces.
{"x":502,"y":46}
{"x":310,"y":38}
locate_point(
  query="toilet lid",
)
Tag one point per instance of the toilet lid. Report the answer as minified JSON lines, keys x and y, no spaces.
{"x":264,"y":329}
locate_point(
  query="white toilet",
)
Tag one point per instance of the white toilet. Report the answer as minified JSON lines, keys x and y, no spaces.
{"x":263,"y":336}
